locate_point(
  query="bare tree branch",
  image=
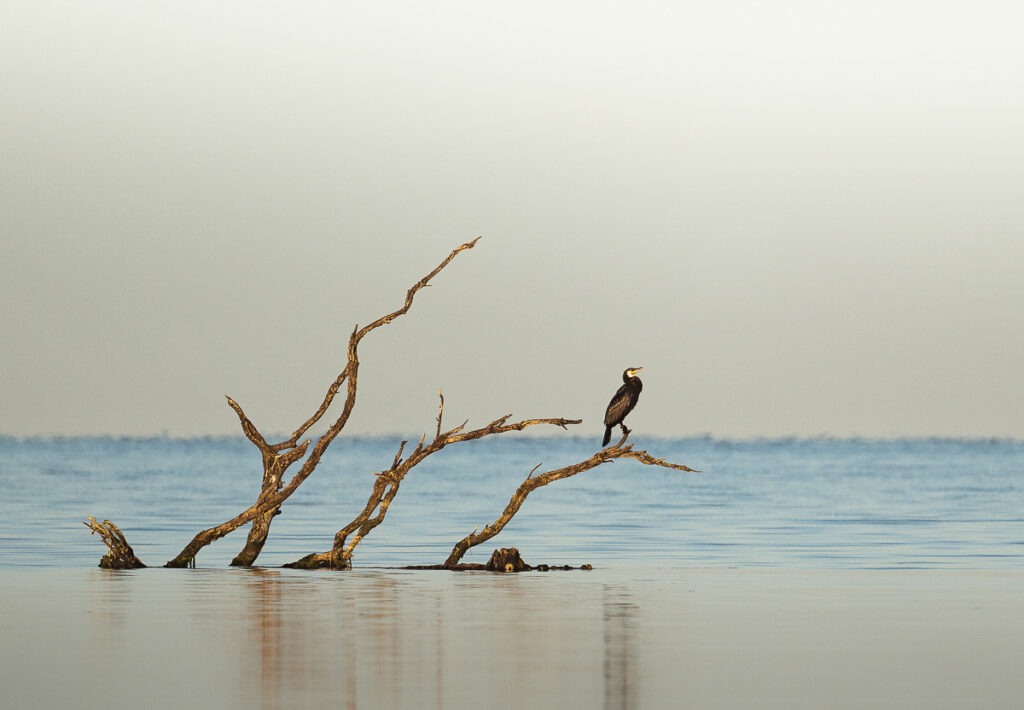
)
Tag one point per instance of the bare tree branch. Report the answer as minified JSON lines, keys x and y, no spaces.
{"x":386,"y":485}
{"x":248,"y":428}
{"x":272,"y":493}
{"x":440,"y":411}
{"x":618,"y":451}
{"x":119,"y":553}
{"x":277,"y":458}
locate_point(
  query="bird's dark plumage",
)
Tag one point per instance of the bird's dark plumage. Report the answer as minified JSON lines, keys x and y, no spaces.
{"x":622,"y":403}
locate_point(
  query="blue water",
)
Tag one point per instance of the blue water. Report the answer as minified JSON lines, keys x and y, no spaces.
{"x":793,"y":503}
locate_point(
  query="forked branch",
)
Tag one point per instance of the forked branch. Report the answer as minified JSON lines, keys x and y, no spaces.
{"x":386,"y":485}
{"x":119,"y":553}
{"x":277,"y":458}
{"x":273,"y":492}
{"x":359,"y":334}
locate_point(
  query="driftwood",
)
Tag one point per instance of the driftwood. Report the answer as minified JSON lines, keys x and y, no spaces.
{"x":120,"y":554}
{"x":386,"y":484}
{"x":507,"y":559}
{"x":619,"y":451}
{"x":278,"y":457}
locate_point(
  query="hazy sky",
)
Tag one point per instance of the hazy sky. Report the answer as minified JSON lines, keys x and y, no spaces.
{"x":801,"y":217}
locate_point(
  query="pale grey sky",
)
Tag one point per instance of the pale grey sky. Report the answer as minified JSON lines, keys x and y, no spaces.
{"x":802,"y":218}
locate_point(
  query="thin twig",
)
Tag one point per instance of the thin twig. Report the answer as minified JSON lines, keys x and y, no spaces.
{"x":440,"y":411}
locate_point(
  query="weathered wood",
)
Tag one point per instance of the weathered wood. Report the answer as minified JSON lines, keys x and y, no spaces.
{"x":120,"y":554}
{"x":273,"y":494}
{"x":506,"y":559}
{"x":277,"y":458}
{"x":618,"y":451}
{"x":274,"y":466}
{"x":488,"y":566}
{"x":386,"y":484}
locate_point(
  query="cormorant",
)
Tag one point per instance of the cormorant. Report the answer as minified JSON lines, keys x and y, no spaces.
{"x":622,"y":403}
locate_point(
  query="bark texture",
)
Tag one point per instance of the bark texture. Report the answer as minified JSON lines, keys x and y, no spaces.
{"x":119,"y":553}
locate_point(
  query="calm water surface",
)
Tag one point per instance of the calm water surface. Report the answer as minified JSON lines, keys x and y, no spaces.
{"x":805,"y":504}
{"x":428,"y":640}
{"x":795,"y":573}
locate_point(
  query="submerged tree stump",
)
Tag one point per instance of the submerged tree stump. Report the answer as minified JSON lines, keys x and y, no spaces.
{"x":503,"y":560}
{"x":120,"y":554}
{"x":507,"y":559}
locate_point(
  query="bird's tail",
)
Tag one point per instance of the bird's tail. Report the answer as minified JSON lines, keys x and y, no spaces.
{"x":607,"y":436}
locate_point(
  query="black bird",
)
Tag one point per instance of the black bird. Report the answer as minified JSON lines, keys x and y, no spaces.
{"x":622,"y":403}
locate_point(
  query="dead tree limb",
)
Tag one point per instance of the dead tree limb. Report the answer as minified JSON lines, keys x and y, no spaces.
{"x":272,"y":493}
{"x":619,"y":451}
{"x":386,"y":485}
{"x":120,"y":554}
{"x":277,"y":458}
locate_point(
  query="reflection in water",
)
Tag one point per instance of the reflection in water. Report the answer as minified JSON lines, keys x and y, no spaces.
{"x":620,"y":658}
{"x":388,"y":638}
{"x":391,"y":639}
{"x":368,"y":638}
{"x":266,"y":603}
{"x":400,"y":639}
{"x":346,"y":636}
